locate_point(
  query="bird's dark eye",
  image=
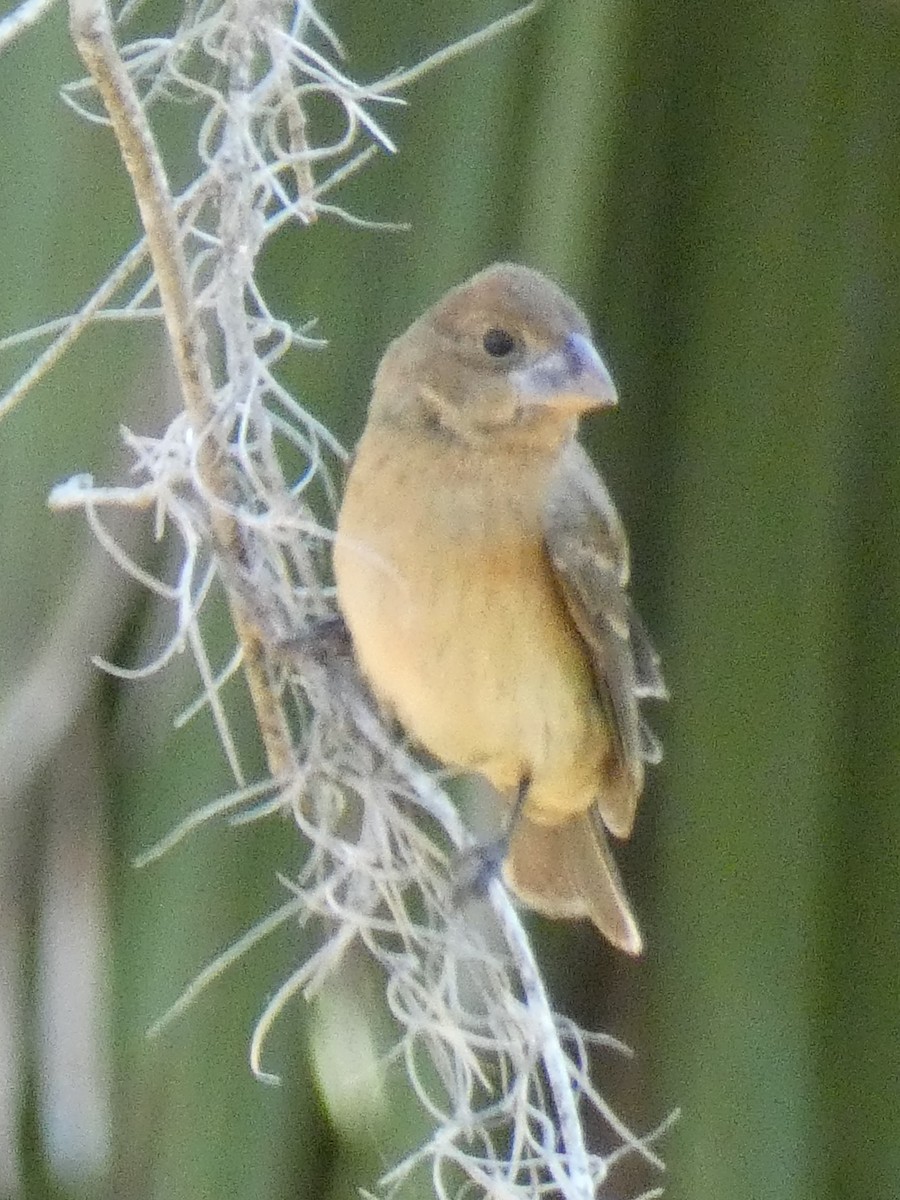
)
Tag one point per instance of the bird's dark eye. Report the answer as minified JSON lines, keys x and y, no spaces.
{"x":498,"y":343}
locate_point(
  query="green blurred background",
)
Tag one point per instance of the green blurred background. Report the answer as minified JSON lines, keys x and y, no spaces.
{"x":718,"y":186}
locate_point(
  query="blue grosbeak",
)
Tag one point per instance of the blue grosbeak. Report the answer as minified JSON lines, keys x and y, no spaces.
{"x":482,"y":571}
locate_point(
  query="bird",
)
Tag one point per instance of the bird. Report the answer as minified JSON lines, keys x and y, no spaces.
{"x":482,"y":571}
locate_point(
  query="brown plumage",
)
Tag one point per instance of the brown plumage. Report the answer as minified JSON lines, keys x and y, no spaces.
{"x":482,"y":571}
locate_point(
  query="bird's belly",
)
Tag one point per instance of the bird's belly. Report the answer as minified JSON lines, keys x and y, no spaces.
{"x":474,"y":652}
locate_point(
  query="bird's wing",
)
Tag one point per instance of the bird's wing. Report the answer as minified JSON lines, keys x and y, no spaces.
{"x":587,"y":547}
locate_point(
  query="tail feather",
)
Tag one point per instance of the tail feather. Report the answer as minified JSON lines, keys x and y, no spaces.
{"x":568,"y":870}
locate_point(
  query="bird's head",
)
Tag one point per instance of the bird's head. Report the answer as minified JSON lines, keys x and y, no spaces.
{"x":506,"y":355}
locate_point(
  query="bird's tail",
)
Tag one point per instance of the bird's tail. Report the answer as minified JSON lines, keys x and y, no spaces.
{"x":568,"y":870}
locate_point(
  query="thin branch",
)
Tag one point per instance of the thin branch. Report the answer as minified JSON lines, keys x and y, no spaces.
{"x":16,"y":22}
{"x":578,"y":1181}
{"x":92,"y":33}
{"x":69,"y":329}
{"x":402,"y":79}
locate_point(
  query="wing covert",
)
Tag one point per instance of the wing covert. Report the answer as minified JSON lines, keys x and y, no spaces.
{"x":586,"y":544}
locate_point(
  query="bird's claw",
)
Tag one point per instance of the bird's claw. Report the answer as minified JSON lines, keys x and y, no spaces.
{"x":477,"y":867}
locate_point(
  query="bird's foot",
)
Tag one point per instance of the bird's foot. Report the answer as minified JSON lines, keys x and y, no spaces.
{"x":477,"y":867}
{"x":323,"y":639}
{"x":481,"y":864}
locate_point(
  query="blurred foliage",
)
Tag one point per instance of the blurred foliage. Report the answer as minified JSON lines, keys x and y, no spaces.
{"x":719,"y":188}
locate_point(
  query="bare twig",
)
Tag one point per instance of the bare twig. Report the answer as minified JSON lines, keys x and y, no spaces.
{"x":92,"y":33}
{"x":16,"y":22}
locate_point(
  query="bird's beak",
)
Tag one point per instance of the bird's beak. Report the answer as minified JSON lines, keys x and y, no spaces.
{"x":570,"y":379}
